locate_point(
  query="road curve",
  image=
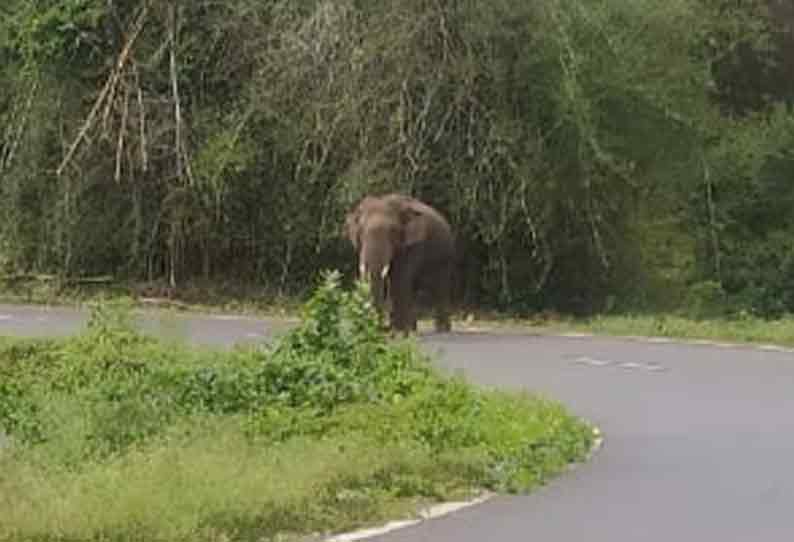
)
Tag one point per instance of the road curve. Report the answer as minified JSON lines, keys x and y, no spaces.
{"x":699,"y":439}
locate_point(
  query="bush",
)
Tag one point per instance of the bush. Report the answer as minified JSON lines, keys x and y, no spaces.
{"x":706,"y":299}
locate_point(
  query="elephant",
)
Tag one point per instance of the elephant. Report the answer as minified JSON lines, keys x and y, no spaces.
{"x":404,"y":245}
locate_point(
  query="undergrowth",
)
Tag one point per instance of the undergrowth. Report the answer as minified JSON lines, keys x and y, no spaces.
{"x":114,"y":435}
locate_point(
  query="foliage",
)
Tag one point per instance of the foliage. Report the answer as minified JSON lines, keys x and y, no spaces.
{"x":169,"y":141}
{"x":333,"y":425}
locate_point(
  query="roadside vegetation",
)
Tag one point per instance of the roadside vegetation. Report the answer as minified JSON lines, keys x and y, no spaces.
{"x":778,"y":332}
{"x":114,"y":435}
{"x":595,"y":157}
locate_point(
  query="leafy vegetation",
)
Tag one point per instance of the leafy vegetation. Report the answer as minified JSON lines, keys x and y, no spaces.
{"x":117,"y":436}
{"x":593,"y":156}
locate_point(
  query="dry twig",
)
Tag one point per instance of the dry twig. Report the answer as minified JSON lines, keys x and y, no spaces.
{"x":108,"y":89}
{"x":8,"y":156}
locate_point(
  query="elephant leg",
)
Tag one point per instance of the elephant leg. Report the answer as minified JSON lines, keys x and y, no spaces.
{"x":403,"y":309}
{"x":443,"y":321}
{"x":440,"y":287}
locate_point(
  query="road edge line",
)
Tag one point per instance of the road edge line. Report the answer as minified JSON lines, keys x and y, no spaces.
{"x":649,"y":339}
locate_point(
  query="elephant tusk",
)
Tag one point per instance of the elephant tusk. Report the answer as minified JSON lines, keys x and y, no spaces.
{"x":362,"y":270}
{"x":385,"y":271}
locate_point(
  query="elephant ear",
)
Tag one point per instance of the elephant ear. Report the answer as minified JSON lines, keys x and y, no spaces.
{"x":351,"y":228}
{"x":414,"y":230}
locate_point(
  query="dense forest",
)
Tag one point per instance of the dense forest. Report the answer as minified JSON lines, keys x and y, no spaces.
{"x":592,"y":155}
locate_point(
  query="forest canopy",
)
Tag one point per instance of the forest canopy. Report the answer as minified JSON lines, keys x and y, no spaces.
{"x":592,"y":155}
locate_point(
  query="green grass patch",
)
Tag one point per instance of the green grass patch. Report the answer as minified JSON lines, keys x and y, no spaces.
{"x":118,"y":436}
{"x":740,"y":329}
{"x":191,"y":296}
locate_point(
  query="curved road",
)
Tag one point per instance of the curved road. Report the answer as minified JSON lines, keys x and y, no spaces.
{"x":699,"y":439}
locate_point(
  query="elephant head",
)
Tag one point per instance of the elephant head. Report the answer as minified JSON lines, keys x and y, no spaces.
{"x":377,"y":230}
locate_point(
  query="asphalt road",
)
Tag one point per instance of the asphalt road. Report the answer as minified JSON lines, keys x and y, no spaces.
{"x":699,"y":439}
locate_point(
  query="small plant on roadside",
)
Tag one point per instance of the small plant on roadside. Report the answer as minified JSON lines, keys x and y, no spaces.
{"x":340,"y":354}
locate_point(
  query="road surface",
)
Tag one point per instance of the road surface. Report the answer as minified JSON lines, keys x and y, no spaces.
{"x":699,"y":439}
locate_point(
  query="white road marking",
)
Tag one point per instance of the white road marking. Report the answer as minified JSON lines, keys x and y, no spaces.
{"x":633,"y":365}
{"x":6,"y":317}
{"x":772,"y":348}
{"x":592,"y":361}
{"x":430,"y":513}
{"x":369,"y":533}
{"x":679,"y":341}
{"x":447,"y":508}
{"x":226,"y":317}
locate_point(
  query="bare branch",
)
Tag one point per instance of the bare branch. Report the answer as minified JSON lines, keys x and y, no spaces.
{"x":122,"y":132}
{"x":107,"y":89}
{"x":7,"y":158}
{"x":141,"y":119}
{"x":712,"y":209}
{"x":180,"y":170}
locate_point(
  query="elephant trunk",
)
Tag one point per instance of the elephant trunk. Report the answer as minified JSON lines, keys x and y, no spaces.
{"x":377,"y":250}
{"x":374,"y":267}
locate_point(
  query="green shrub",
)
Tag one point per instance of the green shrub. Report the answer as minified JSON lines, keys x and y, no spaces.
{"x":706,"y":299}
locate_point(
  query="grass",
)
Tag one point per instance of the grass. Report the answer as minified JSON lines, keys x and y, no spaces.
{"x":117,"y":436}
{"x":741,"y":329}
{"x":745,"y":329}
{"x":211,"y":484}
{"x":196,"y":296}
